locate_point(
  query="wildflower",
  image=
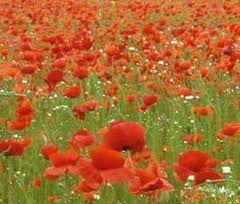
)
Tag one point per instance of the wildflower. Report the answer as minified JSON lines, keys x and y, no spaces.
{"x":12,"y":147}
{"x":53,"y":78}
{"x":202,"y":111}
{"x":72,"y":92}
{"x":62,"y":162}
{"x":104,"y":158}
{"x":196,"y":163}
{"x":149,"y":100}
{"x":125,"y":135}
{"x":230,"y":130}
{"x":81,"y":139}
{"x":193,"y":139}
{"x":48,"y":149}
{"x":149,"y":181}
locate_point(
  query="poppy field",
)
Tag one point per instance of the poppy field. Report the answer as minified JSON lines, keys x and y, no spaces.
{"x":119,"y":102}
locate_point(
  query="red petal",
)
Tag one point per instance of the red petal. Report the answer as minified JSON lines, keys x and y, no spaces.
{"x":206,"y":175}
{"x":116,"y":175}
{"x":104,"y":158}
{"x":53,"y":173}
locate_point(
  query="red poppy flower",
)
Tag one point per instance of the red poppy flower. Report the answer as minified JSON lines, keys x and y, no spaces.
{"x":24,"y":110}
{"x":80,"y":110}
{"x":63,"y":162}
{"x":26,"y":142}
{"x":177,"y":31}
{"x":67,"y":158}
{"x":86,"y":59}
{"x":53,"y":199}
{"x":193,"y":162}
{"x":202,"y":111}
{"x":4,"y":52}
{"x":12,"y":147}
{"x":149,"y":181}
{"x":80,"y":72}
{"x":204,"y":73}
{"x":149,"y":100}
{"x":17,"y":125}
{"x":117,"y":175}
{"x":86,"y":187}
{"x":112,"y":90}
{"x":24,"y":113}
{"x":149,"y":29}
{"x":59,"y":63}
{"x":204,"y":176}
{"x":89,"y":172}
{"x":30,"y":56}
{"x":92,"y":178}
{"x":52,"y":173}
{"x":72,"y":92}
{"x":100,"y":169}
{"x":53,"y":78}
{"x":36,"y":183}
{"x":8,"y":71}
{"x":193,"y":139}
{"x":184,"y":92}
{"x":48,"y":149}
{"x":113,"y":50}
{"x":81,"y":139}
{"x":229,"y":130}
{"x":104,"y":158}
{"x":182,"y":67}
{"x":143,"y":108}
{"x":56,"y":39}
{"x":82,"y":44}
{"x":29,"y":69}
{"x":125,"y":136}
{"x":131,"y":98}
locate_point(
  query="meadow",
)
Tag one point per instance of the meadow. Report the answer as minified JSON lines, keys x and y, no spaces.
{"x":119,"y":102}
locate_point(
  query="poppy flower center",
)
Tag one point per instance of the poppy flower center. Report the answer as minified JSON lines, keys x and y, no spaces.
{"x":125,"y":148}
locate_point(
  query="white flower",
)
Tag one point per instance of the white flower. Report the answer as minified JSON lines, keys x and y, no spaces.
{"x":131,"y":48}
{"x":189,"y":97}
{"x":161,"y":62}
{"x":226,"y":169}
{"x":96,"y":197}
{"x":191,"y":178}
